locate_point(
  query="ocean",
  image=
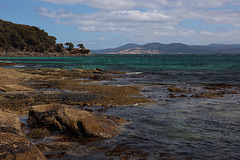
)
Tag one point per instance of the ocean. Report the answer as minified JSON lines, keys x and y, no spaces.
{"x":202,"y":122}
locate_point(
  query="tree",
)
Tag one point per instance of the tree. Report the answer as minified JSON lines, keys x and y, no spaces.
{"x":81,"y":46}
{"x":69,"y":45}
{"x":59,"y":47}
{"x":40,"y":48}
{"x":25,"y":38}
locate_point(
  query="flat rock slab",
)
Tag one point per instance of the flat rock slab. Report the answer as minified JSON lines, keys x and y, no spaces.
{"x":14,"y":87}
{"x":75,"y":121}
{"x":13,"y":144}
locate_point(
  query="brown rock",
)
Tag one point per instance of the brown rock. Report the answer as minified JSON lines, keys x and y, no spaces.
{"x":14,"y":87}
{"x":76,"y":121}
{"x":44,"y":115}
{"x":207,"y":95}
{"x":90,"y":124}
{"x":10,"y":123}
{"x":176,"y":89}
{"x":13,"y":144}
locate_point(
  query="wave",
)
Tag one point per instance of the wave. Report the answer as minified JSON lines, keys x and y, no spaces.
{"x":19,"y":66}
{"x":131,"y":73}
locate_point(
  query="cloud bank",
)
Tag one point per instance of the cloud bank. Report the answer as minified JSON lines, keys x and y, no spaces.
{"x":188,"y":21}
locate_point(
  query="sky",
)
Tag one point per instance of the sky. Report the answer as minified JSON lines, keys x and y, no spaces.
{"x":100,"y":24}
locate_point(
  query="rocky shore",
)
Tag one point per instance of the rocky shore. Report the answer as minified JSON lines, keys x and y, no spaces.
{"x":71,"y":103}
{"x":55,"y":99}
{"x":13,"y":144}
{"x":44,"y":54}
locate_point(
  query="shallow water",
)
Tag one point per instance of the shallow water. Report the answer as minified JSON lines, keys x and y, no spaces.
{"x":190,"y":128}
{"x":197,"y":129}
{"x":171,"y":128}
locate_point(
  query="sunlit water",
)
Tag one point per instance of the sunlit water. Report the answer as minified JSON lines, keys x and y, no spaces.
{"x":171,"y":128}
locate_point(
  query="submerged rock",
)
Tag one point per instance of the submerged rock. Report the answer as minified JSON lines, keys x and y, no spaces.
{"x":75,"y":121}
{"x":176,"y":89}
{"x":13,"y":144}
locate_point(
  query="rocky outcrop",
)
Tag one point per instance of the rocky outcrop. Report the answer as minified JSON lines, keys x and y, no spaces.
{"x":13,"y":144}
{"x":75,"y":121}
{"x":89,"y":124}
{"x":14,"y":87}
{"x":176,"y":89}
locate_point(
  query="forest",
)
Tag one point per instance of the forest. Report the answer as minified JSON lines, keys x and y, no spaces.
{"x":26,"y":38}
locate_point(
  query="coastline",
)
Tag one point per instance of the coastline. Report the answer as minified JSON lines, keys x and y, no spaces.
{"x":151,"y":109}
{"x":21,"y":89}
{"x":38,"y":54}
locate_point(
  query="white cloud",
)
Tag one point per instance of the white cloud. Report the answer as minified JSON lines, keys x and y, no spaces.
{"x":56,"y":14}
{"x":153,"y":20}
{"x":207,"y":33}
{"x":150,"y":4}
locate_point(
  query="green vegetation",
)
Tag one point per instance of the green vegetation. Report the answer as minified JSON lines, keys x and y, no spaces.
{"x":69,"y":45}
{"x":81,"y":46}
{"x":24,"y":38}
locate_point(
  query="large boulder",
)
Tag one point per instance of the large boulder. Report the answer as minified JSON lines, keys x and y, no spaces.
{"x":44,"y":115}
{"x":13,"y":144}
{"x":89,"y":124}
{"x":75,"y":121}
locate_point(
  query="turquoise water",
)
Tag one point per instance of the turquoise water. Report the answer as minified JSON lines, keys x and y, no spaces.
{"x":162,"y":68}
{"x":171,"y":128}
{"x":148,"y":63}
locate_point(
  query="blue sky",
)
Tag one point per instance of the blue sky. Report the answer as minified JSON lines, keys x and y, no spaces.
{"x":111,"y":23}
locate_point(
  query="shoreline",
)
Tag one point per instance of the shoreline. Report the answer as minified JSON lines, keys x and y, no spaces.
{"x":90,"y":90}
{"x":38,"y":54}
{"x":22,"y":89}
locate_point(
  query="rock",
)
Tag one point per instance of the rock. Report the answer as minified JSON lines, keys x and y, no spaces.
{"x":183,"y":95}
{"x":10,"y":123}
{"x":44,"y":115}
{"x":13,"y":147}
{"x":99,"y":69}
{"x":75,"y":121}
{"x":171,"y":95}
{"x":13,"y":144}
{"x":7,"y":64}
{"x":14,"y":87}
{"x":176,"y":89}
{"x":89,"y":124}
{"x":206,"y":95}
{"x":38,"y":133}
{"x":97,"y":77}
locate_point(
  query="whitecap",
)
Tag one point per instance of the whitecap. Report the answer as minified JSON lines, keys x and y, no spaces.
{"x":19,"y":66}
{"x":129,"y":73}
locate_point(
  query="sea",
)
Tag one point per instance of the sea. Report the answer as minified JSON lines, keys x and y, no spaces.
{"x":177,"y":125}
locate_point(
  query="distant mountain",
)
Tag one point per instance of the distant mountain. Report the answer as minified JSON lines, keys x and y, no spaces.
{"x":110,"y":50}
{"x":172,"y":48}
